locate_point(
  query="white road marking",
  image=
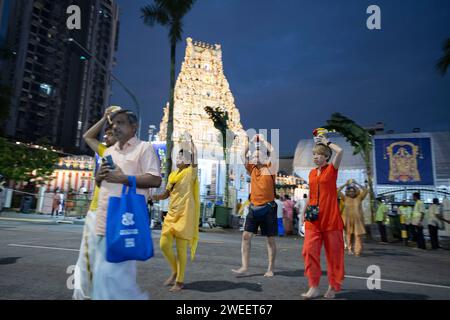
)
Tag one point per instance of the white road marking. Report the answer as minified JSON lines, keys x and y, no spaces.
{"x":41,"y":247}
{"x":211,"y":241}
{"x":403,"y":282}
{"x":346,"y":276}
{"x":29,"y":220}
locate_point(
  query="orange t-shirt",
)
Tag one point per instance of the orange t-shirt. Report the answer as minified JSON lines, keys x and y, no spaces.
{"x":261,"y":185}
{"x":329,"y":214}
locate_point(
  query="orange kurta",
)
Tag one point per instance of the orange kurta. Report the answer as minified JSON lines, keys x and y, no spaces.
{"x":326,"y":231}
{"x":325,"y":186}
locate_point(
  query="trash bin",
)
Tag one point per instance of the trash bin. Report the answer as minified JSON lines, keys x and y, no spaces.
{"x":223,"y":216}
{"x":27,"y":202}
{"x":395,"y":226}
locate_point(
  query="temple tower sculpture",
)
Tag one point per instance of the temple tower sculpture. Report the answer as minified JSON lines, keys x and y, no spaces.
{"x":201,"y":83}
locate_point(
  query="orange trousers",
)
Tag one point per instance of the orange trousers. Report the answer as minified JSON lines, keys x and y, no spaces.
{"x":334,"y":251}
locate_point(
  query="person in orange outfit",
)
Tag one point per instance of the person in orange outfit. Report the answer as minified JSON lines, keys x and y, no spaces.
{"x":353,"y":215}
{"x":327,"y":229}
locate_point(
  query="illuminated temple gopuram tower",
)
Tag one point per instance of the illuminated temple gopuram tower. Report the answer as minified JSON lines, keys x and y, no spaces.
{"x":202,"y":83}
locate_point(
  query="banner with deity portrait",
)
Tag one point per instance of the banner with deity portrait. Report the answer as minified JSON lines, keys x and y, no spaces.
{"x":407,"y":161}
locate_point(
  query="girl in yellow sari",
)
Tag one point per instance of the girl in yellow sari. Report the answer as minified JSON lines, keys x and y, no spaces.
{"x":181,"y":223}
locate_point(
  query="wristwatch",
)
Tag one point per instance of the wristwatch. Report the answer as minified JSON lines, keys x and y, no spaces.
{"x":328,"y":144}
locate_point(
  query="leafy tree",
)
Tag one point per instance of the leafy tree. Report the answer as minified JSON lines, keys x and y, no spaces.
{"x":220,"y":120}
{"x":24,"y":162}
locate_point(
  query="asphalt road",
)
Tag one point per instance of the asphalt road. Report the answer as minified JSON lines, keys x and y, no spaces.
{"x":35,"y":259}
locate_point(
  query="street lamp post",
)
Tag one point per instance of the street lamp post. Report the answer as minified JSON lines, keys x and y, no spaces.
{"x":87,"y":55}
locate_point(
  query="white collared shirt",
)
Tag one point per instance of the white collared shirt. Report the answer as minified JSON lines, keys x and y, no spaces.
{"x":135,"y":158}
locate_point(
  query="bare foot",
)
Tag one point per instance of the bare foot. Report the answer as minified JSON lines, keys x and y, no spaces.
{"x":268,"y":274}
{"x":240,"y":271}
{"x":177,"y":287}
{"x":171,"y":280}
{"x":312,"y":293}
{"x":330,"y":294}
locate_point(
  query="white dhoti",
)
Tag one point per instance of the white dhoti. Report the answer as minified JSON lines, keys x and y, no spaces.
{"x":301,"y":225}
{"x":85,"y":263}
{"x":114,"y":281}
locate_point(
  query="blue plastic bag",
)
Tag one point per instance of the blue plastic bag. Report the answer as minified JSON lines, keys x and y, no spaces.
{"x":128,"y":234}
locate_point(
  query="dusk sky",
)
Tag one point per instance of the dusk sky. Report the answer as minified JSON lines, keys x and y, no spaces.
{"x":292,"y":63}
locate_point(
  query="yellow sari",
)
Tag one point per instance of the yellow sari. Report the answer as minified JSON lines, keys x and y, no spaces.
{"x":183,"y":217}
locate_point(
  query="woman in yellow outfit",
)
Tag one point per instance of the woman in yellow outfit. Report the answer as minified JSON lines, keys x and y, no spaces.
{"x":353,"y":215}
{"x":182,"y":220}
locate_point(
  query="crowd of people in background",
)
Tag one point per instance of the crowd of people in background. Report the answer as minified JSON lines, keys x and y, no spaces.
{"x":65,"y":202}
{"x":409,"y":221}
{"x":406,"y":221}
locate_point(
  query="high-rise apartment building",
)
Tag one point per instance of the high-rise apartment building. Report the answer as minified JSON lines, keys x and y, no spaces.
{"x":58,"y":91}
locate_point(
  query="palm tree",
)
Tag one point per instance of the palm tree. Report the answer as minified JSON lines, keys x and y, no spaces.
{"x":361,"y":140}
{"x":220,"y":119}
{"x":168,"y":13}
{"x":444,"y":61}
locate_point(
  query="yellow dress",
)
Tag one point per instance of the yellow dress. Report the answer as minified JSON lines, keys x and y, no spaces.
{"x":353,"y":215}
{"x":183,"y":217}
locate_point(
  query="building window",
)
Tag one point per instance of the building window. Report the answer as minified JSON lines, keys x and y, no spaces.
{"x":26,"y":85}
{"x":46,"y":89}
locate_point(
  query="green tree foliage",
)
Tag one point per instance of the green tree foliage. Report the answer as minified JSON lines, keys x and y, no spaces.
{"x":220,"y":120}
{"x":22,"y":162}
